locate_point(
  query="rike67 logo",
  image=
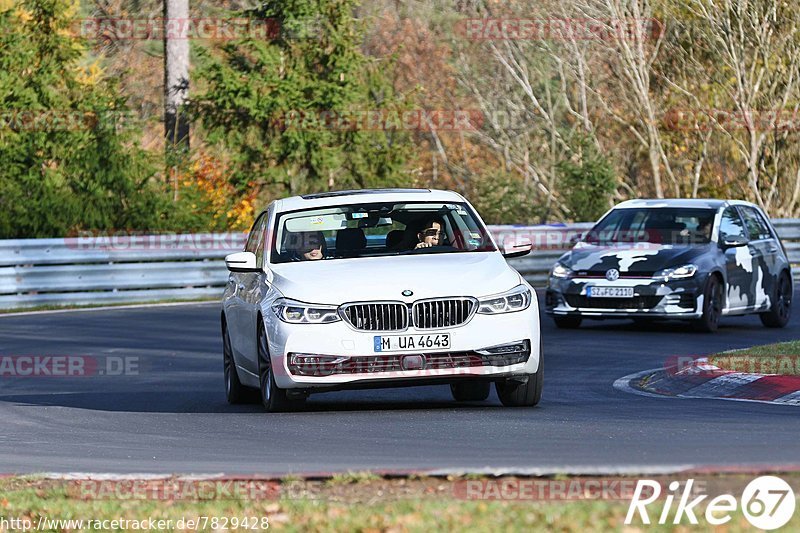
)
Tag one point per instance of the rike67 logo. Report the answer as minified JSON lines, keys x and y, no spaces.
{"x":767,"y":502}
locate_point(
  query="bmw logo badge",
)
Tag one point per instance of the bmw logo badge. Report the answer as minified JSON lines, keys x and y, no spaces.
{"x":408,"y":293}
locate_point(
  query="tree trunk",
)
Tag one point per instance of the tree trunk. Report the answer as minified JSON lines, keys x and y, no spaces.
{"x":176,"y":72}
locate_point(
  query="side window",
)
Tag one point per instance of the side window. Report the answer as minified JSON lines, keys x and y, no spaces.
{"x":252,"y":238}
{"x":255,"y":241}
{"x":637,"y":228}
{"x":731,"y":224}
{"x":606,"y":229}
{"x":261,"y":244}
{"x":756,"y":226}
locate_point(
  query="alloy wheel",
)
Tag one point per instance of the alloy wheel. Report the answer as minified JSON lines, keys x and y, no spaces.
{"x":264,"y":367}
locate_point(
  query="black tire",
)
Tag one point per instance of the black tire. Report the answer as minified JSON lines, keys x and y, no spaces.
{"x":781,"y":310}
{"x":518,"y":394}
{"x":273,"y":398}
{"x":567,"y":322}
{"x":712,"y":306}
{"x":470,"y":391}
{"x":235,"y":392}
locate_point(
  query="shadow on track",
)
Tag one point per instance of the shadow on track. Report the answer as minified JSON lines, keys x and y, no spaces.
{"x":181,"y":402}
{"x":664,"y":326}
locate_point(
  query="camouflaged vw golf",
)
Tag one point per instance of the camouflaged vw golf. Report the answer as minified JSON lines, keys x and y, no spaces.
{"x":685,"y":259}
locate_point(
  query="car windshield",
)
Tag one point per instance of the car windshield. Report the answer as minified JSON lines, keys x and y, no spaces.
{"x":378,"y":229}
{"x":659,"y":225}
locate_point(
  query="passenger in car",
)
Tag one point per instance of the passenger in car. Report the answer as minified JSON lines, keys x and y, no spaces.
{"x":432,"y":234}
{"x":704,"y":229}
{"x":307,"y":246}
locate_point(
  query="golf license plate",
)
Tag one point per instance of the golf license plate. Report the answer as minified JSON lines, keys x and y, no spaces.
{"x":609,"y":292}
{"x":409,"y":343}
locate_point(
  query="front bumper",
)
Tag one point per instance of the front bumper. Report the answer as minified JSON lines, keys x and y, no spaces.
{"x":357,"y":362}
{"x":652,"y":298}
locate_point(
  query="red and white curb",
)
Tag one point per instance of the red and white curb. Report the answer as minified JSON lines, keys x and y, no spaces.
{"x":702,"y":380}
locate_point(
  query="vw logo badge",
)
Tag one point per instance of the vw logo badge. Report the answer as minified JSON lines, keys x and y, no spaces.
{"x":407,"y":293}
{"x":612,"y":274}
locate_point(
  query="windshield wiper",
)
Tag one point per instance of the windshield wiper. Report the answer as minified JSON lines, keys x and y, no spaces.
{"x":382,"y":254}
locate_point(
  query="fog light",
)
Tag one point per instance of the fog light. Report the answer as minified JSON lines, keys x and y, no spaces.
{"x":516,"y":347}
{"x":505,"y":354}
{"x":314,"y":364}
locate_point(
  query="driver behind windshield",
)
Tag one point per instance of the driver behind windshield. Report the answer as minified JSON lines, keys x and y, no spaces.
{"x":307,"y":246}
{"x":431,"y":234}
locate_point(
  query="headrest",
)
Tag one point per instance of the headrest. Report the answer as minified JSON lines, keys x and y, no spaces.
{"x":350,"y":239}
{"x":394,"y":238}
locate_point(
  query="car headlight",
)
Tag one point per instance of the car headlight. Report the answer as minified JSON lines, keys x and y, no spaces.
{"x":560,"y":271}
{"x":302,"y":313}
{"x":516,"y":299}
{"x":681,"y":272}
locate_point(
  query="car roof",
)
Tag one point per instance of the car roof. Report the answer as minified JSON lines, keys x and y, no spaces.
{"x":333,"y":198}
{"x":708,"y":203}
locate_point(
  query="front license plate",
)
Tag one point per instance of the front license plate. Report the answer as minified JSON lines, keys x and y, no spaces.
{"x":609,"y":292}
{"x":407,"y":343}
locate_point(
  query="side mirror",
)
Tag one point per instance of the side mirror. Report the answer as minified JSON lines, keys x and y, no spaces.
{"x":732,"y":241}
{"x":520,"y":248}
{"x":575,"y":239}
{"x":241,"y":262}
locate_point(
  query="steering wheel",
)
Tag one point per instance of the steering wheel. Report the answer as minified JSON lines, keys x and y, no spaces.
{"x":433,"y":249}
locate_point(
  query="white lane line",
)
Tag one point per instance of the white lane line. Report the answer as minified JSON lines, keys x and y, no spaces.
{"x":108,"y":308}
{"x":100,"y":476}
{"x":643,"y":469}
{"x":566,"y":469}
{"x":572,"y":470}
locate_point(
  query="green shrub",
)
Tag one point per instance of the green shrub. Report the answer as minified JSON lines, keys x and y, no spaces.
{"x":267,"y":103}
{"x":505,"y":199}
{"x":69,"y":162}
{"x":587,"y":184}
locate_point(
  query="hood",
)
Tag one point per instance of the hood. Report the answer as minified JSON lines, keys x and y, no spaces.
{"x":632,"y":258}
{"x":385,"y":278}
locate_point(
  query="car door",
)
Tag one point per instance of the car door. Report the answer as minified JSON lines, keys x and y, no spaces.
{"x":738,"y":260}
{"x":236,"y":311}
{"x":255,"y":286}
{"x":766,"y":251}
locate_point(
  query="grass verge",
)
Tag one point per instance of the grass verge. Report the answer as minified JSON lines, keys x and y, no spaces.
{"x":778,"y":358}
{"x":361,"y":502}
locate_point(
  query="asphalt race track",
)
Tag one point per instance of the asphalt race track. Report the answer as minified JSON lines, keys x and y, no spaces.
{"x":171,"y":415}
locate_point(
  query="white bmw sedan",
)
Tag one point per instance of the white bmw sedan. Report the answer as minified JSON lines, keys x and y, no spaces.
{"x":377,"y":288}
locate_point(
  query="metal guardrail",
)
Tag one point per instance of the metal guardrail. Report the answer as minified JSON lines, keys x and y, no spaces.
{"x":107,"y":269}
